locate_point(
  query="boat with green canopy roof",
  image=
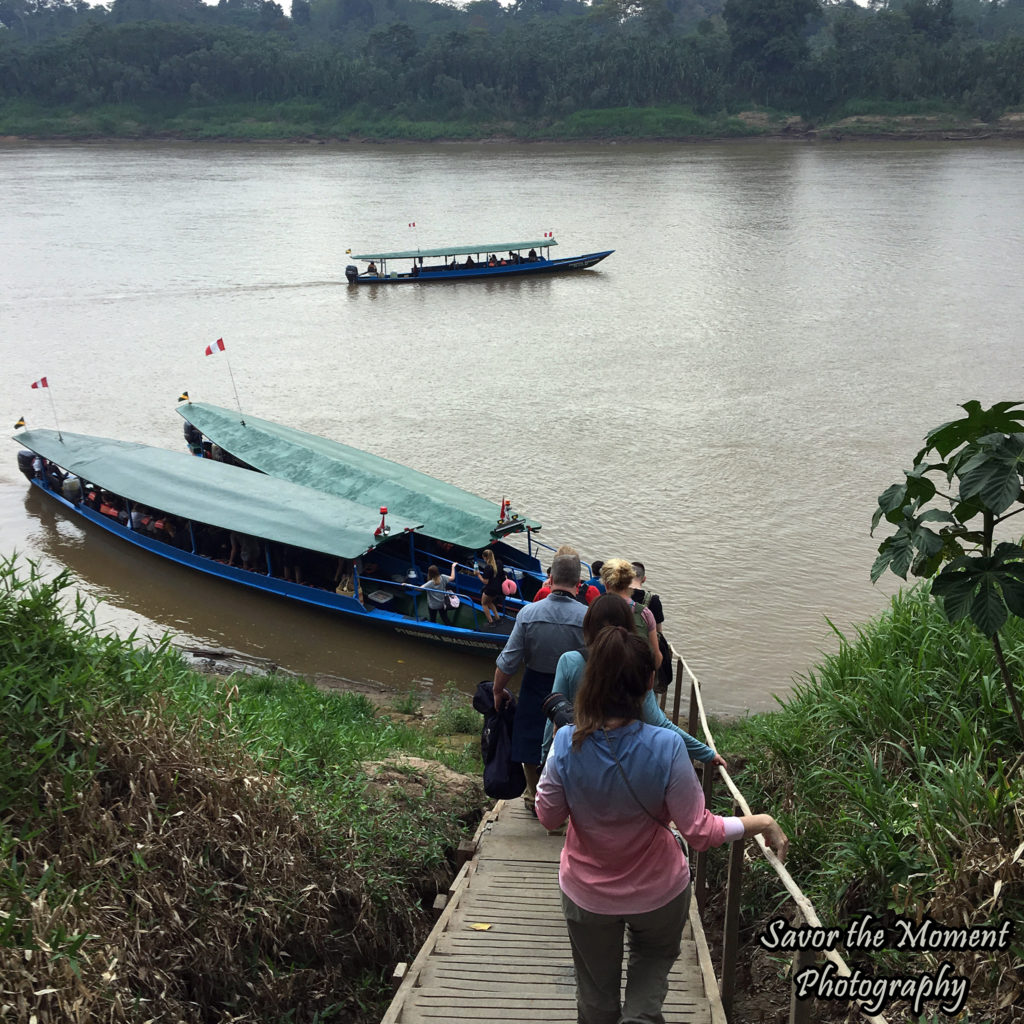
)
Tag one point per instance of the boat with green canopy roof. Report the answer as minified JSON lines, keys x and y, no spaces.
{"x":301,"y":540}
{"x":495,"y":259}
{"x":442,"y":510}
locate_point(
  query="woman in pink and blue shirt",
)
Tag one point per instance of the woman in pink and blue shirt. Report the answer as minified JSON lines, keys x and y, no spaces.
{"x":620,"y":782}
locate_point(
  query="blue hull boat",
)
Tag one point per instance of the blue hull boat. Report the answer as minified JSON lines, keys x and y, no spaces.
{"x":498,"y":259}
{"x":188,"y":511}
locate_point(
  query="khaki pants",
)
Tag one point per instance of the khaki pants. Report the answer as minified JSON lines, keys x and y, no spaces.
{"x":532,"y":773}
{"x":597,"y":939}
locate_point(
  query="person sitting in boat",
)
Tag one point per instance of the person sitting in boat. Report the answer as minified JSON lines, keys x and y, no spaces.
{"x":55,"y":478}
{"x":533,"y":256}
{"x":371,"y":270}
{"x":514,"y":257}
{"x":175,"y":534}
{"x":244,"y":549}
{"x":469,"y":262}
{"x":193,"y":438}
{"x":109,"y":506}
{"x":492,"y":260}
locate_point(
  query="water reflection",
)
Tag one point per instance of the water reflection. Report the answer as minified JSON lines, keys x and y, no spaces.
{"x":144,"y":591}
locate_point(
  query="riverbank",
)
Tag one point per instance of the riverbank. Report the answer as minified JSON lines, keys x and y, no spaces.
{"x":896,"y":769}
{"x":182,"y":845}
{"x":186,"y":843}
{"x":248,"y":123}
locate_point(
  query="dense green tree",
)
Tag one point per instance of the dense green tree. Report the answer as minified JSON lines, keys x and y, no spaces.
{"x":418,"y":59}
{"x":769,"y":43}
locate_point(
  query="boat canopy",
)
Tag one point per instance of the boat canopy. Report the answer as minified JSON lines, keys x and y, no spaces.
{"x":444,"y":511}
{"x":458,"y":250}
{"x":215,"y":493}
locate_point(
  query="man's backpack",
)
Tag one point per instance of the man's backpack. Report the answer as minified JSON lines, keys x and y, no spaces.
{"x":503,"y":778}
{"x":638,"y":614}
{"x":663,"y":677}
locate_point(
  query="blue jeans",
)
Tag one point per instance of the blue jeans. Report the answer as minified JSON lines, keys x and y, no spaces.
{"x":597,"y":941}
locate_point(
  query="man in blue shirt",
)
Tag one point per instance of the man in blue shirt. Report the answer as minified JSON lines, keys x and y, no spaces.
{"x":543,"y":632}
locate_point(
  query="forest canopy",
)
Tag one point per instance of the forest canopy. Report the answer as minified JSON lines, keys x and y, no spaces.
{"x":532,"y":60}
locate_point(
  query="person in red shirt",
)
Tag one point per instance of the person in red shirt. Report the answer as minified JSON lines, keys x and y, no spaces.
{"x":585,"y":593}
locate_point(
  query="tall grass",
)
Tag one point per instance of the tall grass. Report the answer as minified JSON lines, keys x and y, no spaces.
{"x":896,"y":768}
{"x":175,"y":846}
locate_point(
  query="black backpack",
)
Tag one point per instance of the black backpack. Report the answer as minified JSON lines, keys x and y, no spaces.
{"x":503,"y":777}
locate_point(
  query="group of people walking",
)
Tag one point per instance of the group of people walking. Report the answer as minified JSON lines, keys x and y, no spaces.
{"x":621,"y":774}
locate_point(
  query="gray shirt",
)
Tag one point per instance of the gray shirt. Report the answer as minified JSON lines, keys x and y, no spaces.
{"x":543,"y":633}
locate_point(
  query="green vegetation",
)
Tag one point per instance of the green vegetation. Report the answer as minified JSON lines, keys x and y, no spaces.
{"x":536,"y":69}
{"x":456,"y":714}
{"x":982,"y":461}
{"x":176,"y":846}
{"x":895,"y":767}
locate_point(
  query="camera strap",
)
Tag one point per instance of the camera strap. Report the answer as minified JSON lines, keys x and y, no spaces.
{"x":675,"y":834}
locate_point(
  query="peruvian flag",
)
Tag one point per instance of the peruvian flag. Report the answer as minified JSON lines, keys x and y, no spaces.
{"x":41,"y":383}
{"x":217,"y":346}
{"x":412,"y":223}
{"x":549,"y":234}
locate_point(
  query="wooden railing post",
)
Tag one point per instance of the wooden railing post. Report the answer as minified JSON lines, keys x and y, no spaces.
{"x":693,"y":715}
{"x":731,"y":934}
{"x":677,"y":696}
{"x":700,"y":870}
{"x":800,"y":1009}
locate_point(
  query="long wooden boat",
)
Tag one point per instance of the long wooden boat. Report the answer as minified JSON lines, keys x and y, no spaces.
{"x":188,"y":511}
{"x":497,"y":259}
{"x":453,"y":524}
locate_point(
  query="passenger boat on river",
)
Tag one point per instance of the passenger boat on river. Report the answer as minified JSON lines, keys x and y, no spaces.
{"x":453,"y":524}
{"x":497,"y":259}
{"x":191,"y":511}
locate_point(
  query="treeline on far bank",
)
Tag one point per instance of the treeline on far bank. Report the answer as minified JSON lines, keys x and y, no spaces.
{"x":537,"y":68}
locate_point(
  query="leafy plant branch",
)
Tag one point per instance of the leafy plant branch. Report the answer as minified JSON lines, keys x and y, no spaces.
{"x":982,"y":459}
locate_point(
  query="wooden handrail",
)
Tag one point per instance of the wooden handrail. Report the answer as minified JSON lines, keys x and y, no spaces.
{"x":804,"y":905}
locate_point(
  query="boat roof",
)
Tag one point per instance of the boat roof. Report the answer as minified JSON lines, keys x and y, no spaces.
{"x":444,"y":511}
{"x":458,"y":250}
{"x":215,"y":493}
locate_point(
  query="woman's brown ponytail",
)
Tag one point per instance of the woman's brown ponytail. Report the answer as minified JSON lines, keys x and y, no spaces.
{"x":615,"y":683}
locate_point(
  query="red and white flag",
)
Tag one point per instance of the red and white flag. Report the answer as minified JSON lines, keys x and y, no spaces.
{"x":217,"y":346}
{"x":549,"y":234}
{"x":41,"y":383}
{"x":412,"y":223}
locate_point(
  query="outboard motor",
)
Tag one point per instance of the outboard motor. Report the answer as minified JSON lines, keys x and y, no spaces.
{"x":352,"y":273}
{"x":25,"y":460}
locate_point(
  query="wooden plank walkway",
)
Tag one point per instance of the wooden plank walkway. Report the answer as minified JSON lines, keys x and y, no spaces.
{"x":520,"y":969}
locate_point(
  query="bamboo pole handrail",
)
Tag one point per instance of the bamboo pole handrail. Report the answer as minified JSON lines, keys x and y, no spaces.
{"x":804,"y":905}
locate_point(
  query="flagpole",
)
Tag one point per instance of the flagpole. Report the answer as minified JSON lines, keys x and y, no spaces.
{"x":53,"y":405}
{"x":233,"y":388}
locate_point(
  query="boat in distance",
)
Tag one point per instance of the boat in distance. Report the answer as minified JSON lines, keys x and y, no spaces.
{"x":293,"y":541}
{"x":497,"y":259}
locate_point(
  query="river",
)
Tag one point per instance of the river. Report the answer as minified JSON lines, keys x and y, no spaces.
{"x":723,"y":398}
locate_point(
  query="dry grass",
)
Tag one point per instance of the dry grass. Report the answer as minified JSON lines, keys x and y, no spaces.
{"x":204,"y":895}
